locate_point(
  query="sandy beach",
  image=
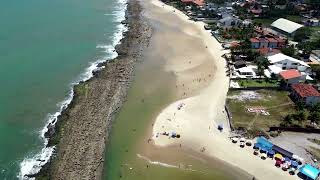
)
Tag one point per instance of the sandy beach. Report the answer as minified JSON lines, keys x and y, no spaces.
{"x":194,"y":56}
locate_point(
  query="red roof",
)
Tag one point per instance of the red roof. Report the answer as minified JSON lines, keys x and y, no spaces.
{"x":280,"y":40}
{"x":254,"y":40}
{"x":272,"y":40}
{"x":305,"y":90}
{"x":197,"y":2}
{"x":289,"y":74}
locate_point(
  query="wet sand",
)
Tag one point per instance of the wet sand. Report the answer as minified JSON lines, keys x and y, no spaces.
{"x":131,"y":154}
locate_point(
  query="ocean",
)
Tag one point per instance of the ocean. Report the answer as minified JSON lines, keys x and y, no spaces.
{"x":45,"y":48}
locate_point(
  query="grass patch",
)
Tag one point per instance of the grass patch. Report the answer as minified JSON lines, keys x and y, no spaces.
{"x":258,"y":83}
{"x":316,"y":141}
{"x":277,"y":103}
{"x":294,"y":18}
{"x":315,"y":32}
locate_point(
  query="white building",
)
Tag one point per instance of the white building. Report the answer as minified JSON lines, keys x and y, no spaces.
{"x":286,"y":62}
{"x":286,"y":27}
{"x":246,"y":72}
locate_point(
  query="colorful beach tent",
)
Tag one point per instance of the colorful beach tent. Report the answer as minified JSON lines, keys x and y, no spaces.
{"x":284,"y":152}
{"x":278,"y":156}
{"x":257,"y":146}
{"x":309,"y":171}
{"x":264,"y":142}
{"x":270,"y":153}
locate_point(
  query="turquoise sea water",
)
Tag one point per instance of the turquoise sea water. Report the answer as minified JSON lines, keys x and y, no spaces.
{"x":45,"y":45}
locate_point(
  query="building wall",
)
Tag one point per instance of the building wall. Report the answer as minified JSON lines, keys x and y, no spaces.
{"x":255,"y":45}
{"x":286,"y":64}
{"x":273,"y":44}
{"x":294,"y":80}
{"x":264,"y":44}
{"x":312,"y":100}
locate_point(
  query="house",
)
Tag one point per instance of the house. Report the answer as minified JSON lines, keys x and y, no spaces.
{"x":305,"y":93}
{"x":268,"y":51}
{"x":286,"y":62}
{"x":285,"y":27}
{"x":272,"y":70}
{"x":292,"y":76}
{"x":246,"y":72}
{"x":273,"y":43}
{"x":194,"y":2}
{"x":255,"y":43}
{"x":229,"y":21}
{"x":281,"y":42}
{"x":266,"y":42}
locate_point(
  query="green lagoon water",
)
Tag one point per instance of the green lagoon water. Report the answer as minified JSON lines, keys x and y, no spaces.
{"x":45,"y":45}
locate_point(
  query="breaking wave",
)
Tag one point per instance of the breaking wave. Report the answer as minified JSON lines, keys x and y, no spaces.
{"x":33,"y":164}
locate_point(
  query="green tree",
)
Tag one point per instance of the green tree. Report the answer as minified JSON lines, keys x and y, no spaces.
{"x":262,"y":61}
{"x":316,"y":69}
{"x":300,"y":115}
{"x":314,"y":116}
{"x":289,"y":51}
{"x":302,"y":34}
{"x":300,"y":106}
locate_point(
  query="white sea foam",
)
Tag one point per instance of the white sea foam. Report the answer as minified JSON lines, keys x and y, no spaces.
{"x":33,"y":163}
{"x":156,"y":162}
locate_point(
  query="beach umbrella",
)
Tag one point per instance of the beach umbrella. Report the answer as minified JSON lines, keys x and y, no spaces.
{"x":263,"y":156}
{"x":242,"y":144}
{"x":242,"y":139}
{"x":294,"y":164}
{"x":278,"y":156}
{"x":248,"y":142}
{"x":292,"y":171}
{"x":256,"y":152}
{"x":234,"y":139}
{"x":256,"y":146}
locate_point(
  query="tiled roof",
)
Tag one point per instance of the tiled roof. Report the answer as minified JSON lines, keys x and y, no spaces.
{"x":255,"y":40}
{"x":289,"y":74}
{"x":272,"y":40}
{"x":305,"y":90}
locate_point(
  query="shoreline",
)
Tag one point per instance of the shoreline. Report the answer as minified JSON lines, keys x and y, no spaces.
{"x":109,"y":83}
